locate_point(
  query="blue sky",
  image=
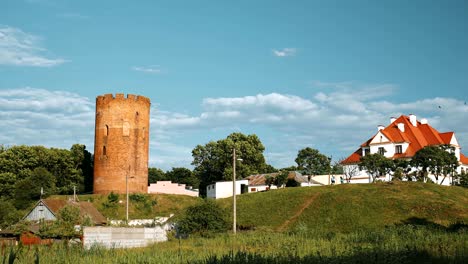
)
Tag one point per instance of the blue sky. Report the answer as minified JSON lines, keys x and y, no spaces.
{"x":319,"y":74}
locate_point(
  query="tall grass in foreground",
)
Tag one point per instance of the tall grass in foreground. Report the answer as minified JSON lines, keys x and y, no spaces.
{"x":403,"y":244}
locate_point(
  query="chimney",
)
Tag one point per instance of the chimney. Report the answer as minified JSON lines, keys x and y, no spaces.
{"x":424,"y":121}
{"x":401,"y":126}
{"x":380,"y":127}
{"x":392,"y":119}
{"x":412,"y":119}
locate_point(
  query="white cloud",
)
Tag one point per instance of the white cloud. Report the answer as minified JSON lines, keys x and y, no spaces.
{"x":42,"y":117}
{"x":152,"y":69}
{"x":286,"y":52}
{"x":335,"y":122}
{"x":23,"y":49}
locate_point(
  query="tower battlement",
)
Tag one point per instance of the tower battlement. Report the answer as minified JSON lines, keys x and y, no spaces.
{"x":121,"y":97}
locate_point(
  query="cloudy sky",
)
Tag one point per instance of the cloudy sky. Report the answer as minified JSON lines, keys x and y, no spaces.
{"x":321,"y":74}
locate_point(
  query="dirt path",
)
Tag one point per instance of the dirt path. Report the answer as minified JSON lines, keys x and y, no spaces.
{"x":298,"y":213}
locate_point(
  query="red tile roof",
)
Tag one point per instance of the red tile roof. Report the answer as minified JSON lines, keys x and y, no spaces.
{"x":417,"y":136}
{"x":463,"y":159}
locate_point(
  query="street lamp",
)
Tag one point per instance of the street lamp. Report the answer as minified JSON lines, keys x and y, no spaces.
{"x":234,"y":190}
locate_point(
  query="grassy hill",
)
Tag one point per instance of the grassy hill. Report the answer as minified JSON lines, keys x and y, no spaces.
{"x":344,"y":208}
{"x":148,"y":206}
{"x":341,"y":208}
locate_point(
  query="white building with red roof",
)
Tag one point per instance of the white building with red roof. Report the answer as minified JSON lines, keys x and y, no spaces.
{"x":402,"y":139}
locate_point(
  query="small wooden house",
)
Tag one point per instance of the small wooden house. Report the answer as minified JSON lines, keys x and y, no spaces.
{"x":47,"y":209}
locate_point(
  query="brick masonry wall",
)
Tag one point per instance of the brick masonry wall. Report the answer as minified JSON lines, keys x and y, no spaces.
{"x":121,"y":143}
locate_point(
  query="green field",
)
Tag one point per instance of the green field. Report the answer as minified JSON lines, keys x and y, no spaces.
{"x":366,"y":223}
{"x":346,"y":208}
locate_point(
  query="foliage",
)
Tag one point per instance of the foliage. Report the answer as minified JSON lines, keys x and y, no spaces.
{"x":281,"y":178}
{"x":112,"y":200}
{"x":462,"y":179}
{"x":155,"y":174}
{"x":269,"y":169}
{"x":438,"y":160}
{"x":269,"y":180}
{"x":64,"y":227}
{"x":143,"y":202}
{"x":7,"y":185}
{"x":311,"y":162}
{"x":29,"y":189}
{"x":213,"y":161}
{"x":59,"y":171}
{"x":8,"y":214}
{"x":375,"y":165}
{"x":204,"y":218}
{"x":183,"y":176}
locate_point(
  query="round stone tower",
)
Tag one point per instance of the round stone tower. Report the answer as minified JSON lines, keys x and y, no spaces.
{"x":121,"y":144}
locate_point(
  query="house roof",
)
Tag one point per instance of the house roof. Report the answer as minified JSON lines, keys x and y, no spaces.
{"x":463,"y":159}
{"x":417,"y":138}
{"x":260,"y":179}
{"x":86,"y":209}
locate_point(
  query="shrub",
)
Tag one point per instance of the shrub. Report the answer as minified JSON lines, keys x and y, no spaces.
{"x":204,"y":218}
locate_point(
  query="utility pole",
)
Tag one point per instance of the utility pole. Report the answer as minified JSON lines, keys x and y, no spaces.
{"x":126,"y":187}
{"x":74,"y":193}
{"x":234,"y":191}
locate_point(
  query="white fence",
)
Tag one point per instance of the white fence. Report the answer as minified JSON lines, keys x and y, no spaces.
{"x":122,"y":237}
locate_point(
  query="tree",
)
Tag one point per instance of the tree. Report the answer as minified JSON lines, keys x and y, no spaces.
{"x":311,"y":162}
{"x":155,"y":174}
{"x":439,"y":160}
{"x":349,"y":171}
{"x":7,"y":185}
{"x":213,"y":161}
{"x":401,"y":169}
{"x":8,"y":214}
{"x":375,"y":165}
{"x":29,"y":189}
{"x":281,"y":179}
{"x":269,"y":180}
{"x":83,"y":161}
{"x":269,"y":169}
{"x":184,"y":176}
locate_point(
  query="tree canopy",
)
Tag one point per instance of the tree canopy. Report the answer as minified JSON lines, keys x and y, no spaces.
{"x":438,"y":160}
{"x":213,"y":161}
{"x":24,"y":170}
{"x":311,"y":162}
{"x":375,"y":165}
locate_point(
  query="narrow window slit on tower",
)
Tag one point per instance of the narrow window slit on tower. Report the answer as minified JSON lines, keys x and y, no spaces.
{"x":104,"y":152}
{"x":106,"y":132}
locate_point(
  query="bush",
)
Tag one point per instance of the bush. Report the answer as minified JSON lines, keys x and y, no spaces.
{"x":204,"y":218}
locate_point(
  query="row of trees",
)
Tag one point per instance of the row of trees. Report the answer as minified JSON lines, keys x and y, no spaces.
{"x":439,"y":161}
{"x":27,"y":172}
{"x":179,"y":175}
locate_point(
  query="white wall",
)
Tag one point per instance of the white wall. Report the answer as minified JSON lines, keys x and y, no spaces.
{"x":122,"y":237}
{"x":261,"y":188}
{"x":224,"y":189}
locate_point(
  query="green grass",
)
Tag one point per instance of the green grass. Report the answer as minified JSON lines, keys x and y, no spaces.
{"x":365,"y":223}
{"x":344,"y":208}
{"x":164,"y":205}
{"x":402,"y":244}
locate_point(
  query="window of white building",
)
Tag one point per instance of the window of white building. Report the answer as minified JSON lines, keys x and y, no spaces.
{"x":398,"y":149}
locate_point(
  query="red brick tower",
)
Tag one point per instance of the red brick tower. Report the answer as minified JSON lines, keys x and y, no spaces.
{"x":121,"y":143}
